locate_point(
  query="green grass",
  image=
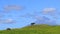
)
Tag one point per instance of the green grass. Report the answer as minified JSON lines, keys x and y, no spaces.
{"x":35,"y":29}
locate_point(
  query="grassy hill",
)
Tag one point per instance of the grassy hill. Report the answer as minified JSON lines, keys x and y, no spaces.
{"x":35,"y":29}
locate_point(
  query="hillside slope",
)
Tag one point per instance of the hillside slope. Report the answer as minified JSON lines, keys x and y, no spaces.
{"x":35,"y":29}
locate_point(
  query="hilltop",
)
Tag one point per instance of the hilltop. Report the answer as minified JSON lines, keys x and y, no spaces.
{"x":35,"y":29}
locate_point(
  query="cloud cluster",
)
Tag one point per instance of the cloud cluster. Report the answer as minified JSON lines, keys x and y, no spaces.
{"x":49,"y":10}
{"x":45,"y":20}
{"x":12,"y":7}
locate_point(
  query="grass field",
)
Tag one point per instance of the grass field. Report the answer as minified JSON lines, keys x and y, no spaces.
{"x":35,"y":29}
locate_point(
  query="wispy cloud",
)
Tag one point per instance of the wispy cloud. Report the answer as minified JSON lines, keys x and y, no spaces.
{"x":7,"y":21}
{"x":49,"y":10}
{"x":12,"y":7}
{"x":38,"y":17}
{"x":45,"y":20}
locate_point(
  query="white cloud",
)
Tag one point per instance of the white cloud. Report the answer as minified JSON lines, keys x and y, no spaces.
{"x":12,"y":7}
{"x":7,"y":21}
{"x":49,"y":10}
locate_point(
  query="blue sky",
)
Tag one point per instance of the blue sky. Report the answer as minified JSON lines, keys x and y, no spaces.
{"x":33,"y":7}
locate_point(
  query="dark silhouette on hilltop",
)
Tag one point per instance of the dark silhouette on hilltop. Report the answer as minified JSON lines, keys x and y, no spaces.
{"x":8,"y":29}
{"x":32,"y":23}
